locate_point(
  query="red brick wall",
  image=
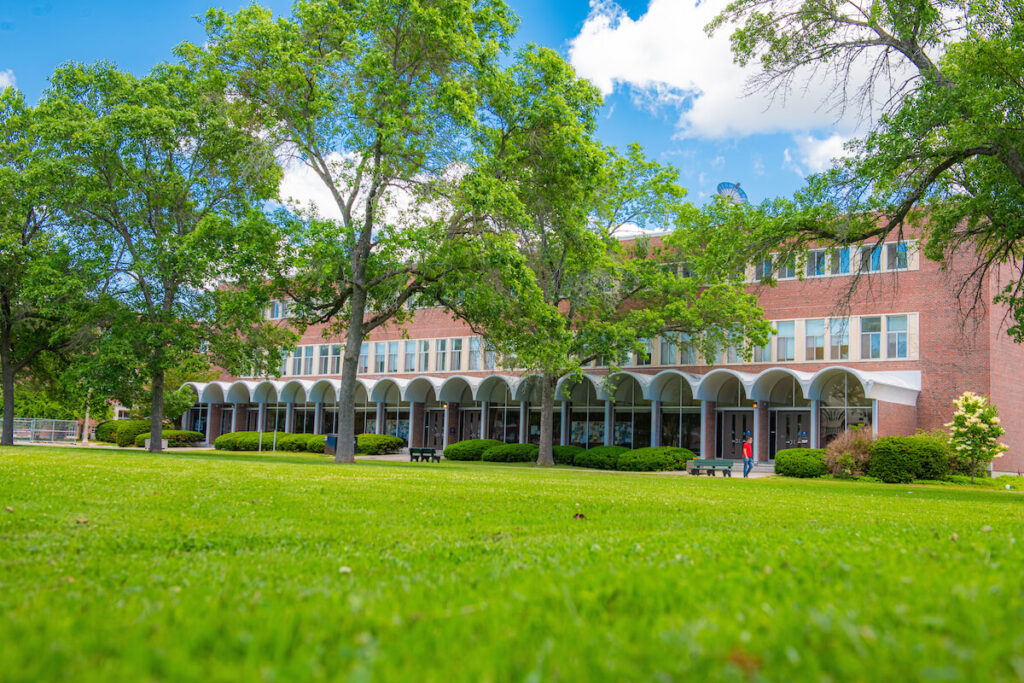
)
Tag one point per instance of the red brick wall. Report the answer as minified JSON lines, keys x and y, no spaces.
{"x":895,"y":419}
{"x":1006,"y":387}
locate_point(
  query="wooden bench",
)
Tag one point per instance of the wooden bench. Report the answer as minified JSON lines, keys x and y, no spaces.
{"x":711,"y":466}
{"x":424,"y":455}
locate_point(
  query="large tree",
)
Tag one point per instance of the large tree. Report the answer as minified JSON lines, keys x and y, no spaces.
{"x":45,"y":288}
{"x":947,"y":152}
{"x":579,"y":292}
{"x":168,"y":192}
{"x":378,"y":98}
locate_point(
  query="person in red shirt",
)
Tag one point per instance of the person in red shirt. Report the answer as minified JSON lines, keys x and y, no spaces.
{"x":748,"y":455}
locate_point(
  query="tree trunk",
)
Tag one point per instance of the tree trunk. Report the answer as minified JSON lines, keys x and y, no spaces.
{"x":545,"y":456}
{"x":974,"y":466}
{"x":156,"y":420}
{"x":346,"y":452}
{"x":8,"y":388}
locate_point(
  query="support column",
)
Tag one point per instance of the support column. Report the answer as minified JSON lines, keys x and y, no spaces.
{"x":655,"y":423}
{"x":417,"y":412}
{"x":209,"y":423}
{"x":565,"y":419}
{"x":609,"y":422}
{"x":451,"y":421}
{"x":815,"y":435}
{"x":241,"y":417}
{"x":485,"y":426}
{"x":762,"y":422}
{"x":261,"y":418}
{"x":708,"y":436}
{"x":289,"y":418}
{"x":318,"y":418}
{"x":524,"y":422}
{"x":379,"y":428}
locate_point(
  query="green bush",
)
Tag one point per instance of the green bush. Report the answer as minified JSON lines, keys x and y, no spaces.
{"x":564,"y":455}
{"x":806,"y":463}
{"x":176,"y":438}
{"x":378,"y":444}
{"x":315,"y":443}
{"x":471,"y":449}
{"x":250,"y":441}
{"x":654,"y":459}
{"x":906,"y":458}
{"x":600,"y":458}
{"x":511,"y":452}
{"x":127,"y":430}
{"x":107,"y":431}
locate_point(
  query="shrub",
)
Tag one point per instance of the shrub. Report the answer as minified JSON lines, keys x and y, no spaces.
{"x":107,"y":431}
{"x":806,"y":463}
{"x":564,"y":455}
{"x":600,"y":458}
{"x":378,"y":444}
{"x":654,"y":459}
{"x":511,"y":452}
{"x":906,"y":458}
{"x":315,"y":443}
{"x":975,"y":430}
{"x":127,"y":430}
{"x":250,"y":441}
{"x":849,"y":454}
{"x":176,"y":438}
{"x":471,"y":449}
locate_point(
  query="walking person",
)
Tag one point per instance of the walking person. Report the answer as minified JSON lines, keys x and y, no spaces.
{"x":748,"y":455}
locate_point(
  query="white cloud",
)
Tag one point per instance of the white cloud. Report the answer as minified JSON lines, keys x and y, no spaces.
{"x":7,"y":79}
{"x":667,"y":60}
{"x":814,"y":155}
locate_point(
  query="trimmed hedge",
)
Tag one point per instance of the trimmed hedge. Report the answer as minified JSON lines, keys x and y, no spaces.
{"x":471,"y":449}
{"x":107,"y":431}
{"x":250,"y":441}
{"x":315,"y":443}
{"x":902,"y":459}
{"x":564,"y":455}
{"x":600,"y":458}
{"x":511,"y":452}
{"x":806,"y":463}
{"x":127,"y":430}
{"x":176,"y":438}
{"x":377,"y":444}
{"x":654,"y":459}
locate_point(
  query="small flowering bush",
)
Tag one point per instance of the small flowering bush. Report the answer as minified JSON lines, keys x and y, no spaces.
{"x":975,"y":430}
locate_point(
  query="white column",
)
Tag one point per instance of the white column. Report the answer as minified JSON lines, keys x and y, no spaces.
{"x":609,"y":422}
{"x":655,"y":423}
{"x":874,"y":417}
{"x":485,"y":429}
{"x":380,"y":418}
{"x":815,"y":435}
{"x":704,"y":431}
{"x":261,"y":418}
{"x":524,"y":422}
{"x":447,"y":413}
{"x":318,"y":418}
{"x":564,"y":417}
{"x":289,"y":418}
{"x":209,"y":421}
{"x":756,"y":441}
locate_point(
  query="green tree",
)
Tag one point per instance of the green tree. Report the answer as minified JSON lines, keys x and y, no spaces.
{"x":46,"y":287}
{"x":975,"y":430}
{"x":378,"y":98}
{"x":945,"y":155}
{"x":167,"y":194}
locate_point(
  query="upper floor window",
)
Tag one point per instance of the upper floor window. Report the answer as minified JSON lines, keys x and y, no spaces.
{"x":668,"y":351}
{"x":324,"y":356}
{"x":763,"y":354}
{"x":786,"y":269}
{"x":379,"y":359}
{"x":763,"y":269}
{"x":424,"y":356}
{"x":896,"y":336}
{"x":870,"y":338}
{"x":839,"y":339}
{"x":732,"y":354}
{"x":456,"y":354}
{"x":840,"y":261}
{"x":410,"y":356}
{"x":440,"y":355}
{"x":644,"y":356}
{"x":393,"y":356}
{"x":490,"y":359}
{"x":817,"y":263}
{"x":814,"y":336}
{"x":364,"y":357}
{"x":284,"y":362}
{"x":896,"y":256}
{"x":687,"y":352}
{"x":336,"y":359}
{"x":871,"y":260}
{"x":474,"y":353}
{"x":297,"y":361}
{"x":307,"y":361}
{"x":785,"y":342}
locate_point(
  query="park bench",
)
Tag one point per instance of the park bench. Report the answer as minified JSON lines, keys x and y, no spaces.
{"x":711,"y":466}
{"x":424,"y":454}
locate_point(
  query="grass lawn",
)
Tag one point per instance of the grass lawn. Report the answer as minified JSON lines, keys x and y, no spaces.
{"x":128,"y":566}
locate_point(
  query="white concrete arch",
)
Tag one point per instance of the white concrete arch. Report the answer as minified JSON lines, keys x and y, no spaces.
{"x":900,"y":387}
{"x":267,"y":391}
{"x":323,"y":391}
{"x":420,"y":388}
{"x":661,"y":381}
{"x":197,"y":387}
{"x":453,"y":387}
{"x":240,"y":392}
{"x":566,"y":384}
{"x":214,"y":392}
{"x":380,"y":388}
{"x":295,"y":391}
{"x":712,"y":382}
{"x":490,"y":388}
{"x":642,"y":379}
{"x":765,"y":381}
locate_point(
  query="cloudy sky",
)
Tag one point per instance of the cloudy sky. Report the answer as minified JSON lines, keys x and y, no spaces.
{"x":666,"y":84}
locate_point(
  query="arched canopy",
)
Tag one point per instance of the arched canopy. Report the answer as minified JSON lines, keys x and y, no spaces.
{"x":267,"y":391}
{"x":767,"y":382}
{"x":324,"y":391}
{"x":458,"y":389}
{"x":900,"y":387}
{"x":295,"y":391}
{"x":673,"y":387}
{"x":627,"y":388}
{"x":241,"y":392}
{"x":423,"y":389}
{"x":587,"y":389}
{"x":497,"y":389}
{"x":388,"y":390}
{"x":712,"y":383}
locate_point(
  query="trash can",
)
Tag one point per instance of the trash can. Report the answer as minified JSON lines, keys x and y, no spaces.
{"x":331,"y":444}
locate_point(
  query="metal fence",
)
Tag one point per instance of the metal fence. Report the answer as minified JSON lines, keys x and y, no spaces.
{"x":32,"y":429}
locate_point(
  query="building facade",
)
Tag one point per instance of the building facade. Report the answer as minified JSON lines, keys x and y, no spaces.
{"x":889,"y":355}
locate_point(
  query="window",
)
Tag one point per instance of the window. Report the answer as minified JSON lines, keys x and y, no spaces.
{"x":732,"y":354}
{"x":871,"y":260}
{"x":787,"y":269}
{"x":896,"y":336}
{"x":307,"y":366}
{"x":490,"y":359}
{"x":378,"y":357}
{"x":763,"y":354}
{"x":284,"y":362}
{"x":817,"y":262}
{"x":814,"y":337}
{"x":644,"y":356}
{"x":410,"y":356}
{"x":763,"y":269}
{"x":687,"y":354}
{"x":364,"y":358}
{"x":474,"y":353}
{"x":841,"y":261}
{"x":668,"y":351}
{"x":785,"y":342}
{"x":440,"y":355}
{"x":870,"y":338}
{"x":325,"y":359}
{"x":456,"y":355}
{"x":685,"y":270}
{"x":297,"y":361}
{"x":839,"y":339}
{"x":393,"y":356}
{"x":896,"y":256}
{"x":424,"y":356}
{"x":336,"y":359}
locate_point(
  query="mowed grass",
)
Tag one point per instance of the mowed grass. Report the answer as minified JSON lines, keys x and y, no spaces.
{"x":128,"y":566}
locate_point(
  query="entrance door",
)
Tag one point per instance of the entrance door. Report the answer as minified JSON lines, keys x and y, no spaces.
{"x":470,"y":425}
{"x":734,"y":425}
{"x":433,"y":429}
{"x":792,"y":429}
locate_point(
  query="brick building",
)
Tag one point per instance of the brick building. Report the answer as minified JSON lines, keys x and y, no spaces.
{"x":891,"y":357}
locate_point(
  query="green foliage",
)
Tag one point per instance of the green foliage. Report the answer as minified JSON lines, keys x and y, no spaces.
{"x":250,"y":441}
{"x":511,"y":452}
{"x":378,"y":444}
{"x":901,"y":459}
{"x":176,"y":438}
{"x":805,"y":463}
{"x":654,"y":459}
{"x":564,"y":455}
{"x":107,"y":431}
{"x":127,"y":430}
{"x":600,"y":457}
{"x":315,"y":443}
{"x":849,"y":454}
{"x":471,"y":449}
{"x":975,"y":430}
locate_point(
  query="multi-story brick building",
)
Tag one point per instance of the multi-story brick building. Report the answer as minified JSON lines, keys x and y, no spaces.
{"x":890,"y":354}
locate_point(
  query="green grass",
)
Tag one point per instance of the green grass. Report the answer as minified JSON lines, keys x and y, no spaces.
{"x":206,"y":566}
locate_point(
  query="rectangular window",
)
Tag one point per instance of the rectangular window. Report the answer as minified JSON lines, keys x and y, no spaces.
{"x":841,"y":261}
{"x":379,"y":359}
{"x":324,"y":362}
{"x":490,"y":359}
{"x":393,"y":356}
{"x":687,"y":353}
{"x":644,"y":356}
{"x":297,"y":361}
{"x":732,"y":354}
{"x":364,"y":357}
{"x":785,"y":342}
{"x":307,"y":366}
{"x":440,"y":355}
{"x":685,"y":270}
{"x":787,"y":269}
{"x":336,"y":359}
{"x":474,"y":353}
{"x":763,"y":269}
{"x":871,"y":260}
{"x":817,"y":262}
{"x":839,"y":338}
{"x":896,"y":336}
{"x":424,"y":356}
{"x":275,"y":310}
{"x":668,"y":351}
{"x":814,"y":336}
{"x":410,"y":356}
{"x":456,"y":355}
{"x":763,"y":354}
{"x":870,"y":338}
{"x":896,"y":256}
{"x":284,"y":362}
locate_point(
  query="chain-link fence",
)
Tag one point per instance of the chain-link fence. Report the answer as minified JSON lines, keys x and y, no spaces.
{"x":32,"y":429}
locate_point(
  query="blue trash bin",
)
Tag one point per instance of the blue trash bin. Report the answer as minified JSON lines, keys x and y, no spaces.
{"x":331,"y":444}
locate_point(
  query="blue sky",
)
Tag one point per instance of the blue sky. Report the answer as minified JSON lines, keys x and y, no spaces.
{"x":666,"y":84}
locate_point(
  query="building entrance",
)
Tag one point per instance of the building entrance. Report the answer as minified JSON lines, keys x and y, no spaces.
{"x":733,"y":426}
{"x":790,"y":429}
{"x":433,"y":429}
{"x":470,"y":425}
